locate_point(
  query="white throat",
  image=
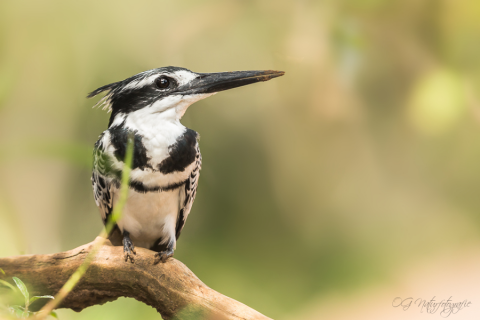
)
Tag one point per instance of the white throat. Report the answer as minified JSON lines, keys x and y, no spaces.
{"x":168,"y":109}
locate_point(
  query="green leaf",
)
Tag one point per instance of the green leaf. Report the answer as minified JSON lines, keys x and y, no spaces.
{"x":17,"y":308}
{"x":40,"y":297}
{"x":18,"y":311}
{"x":6,"y":284}
{"x":23,"y":289}
{"x":1,"y":270}
{"x":54,"y":314}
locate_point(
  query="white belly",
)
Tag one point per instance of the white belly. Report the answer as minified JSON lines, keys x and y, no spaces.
{"x":150,"y":216}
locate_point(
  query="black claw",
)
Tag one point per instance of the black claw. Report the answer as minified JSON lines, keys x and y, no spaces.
{"x":128,"y":247}
{"x":167,"y":253}
{"x":164,"y":255}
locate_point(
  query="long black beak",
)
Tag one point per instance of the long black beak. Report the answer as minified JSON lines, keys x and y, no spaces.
{"x":215,"y":82}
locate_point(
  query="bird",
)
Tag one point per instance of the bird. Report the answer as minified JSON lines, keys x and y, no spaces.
{"x":147,"y":108}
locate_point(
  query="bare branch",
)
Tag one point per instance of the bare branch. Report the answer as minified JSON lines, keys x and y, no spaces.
{"x":169,"y":287}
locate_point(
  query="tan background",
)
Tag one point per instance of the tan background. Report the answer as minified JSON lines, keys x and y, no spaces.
{"x":324,"y":194}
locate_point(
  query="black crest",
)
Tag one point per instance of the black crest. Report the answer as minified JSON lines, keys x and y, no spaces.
{"x":120,"y":97}
{"x":108,"y":87}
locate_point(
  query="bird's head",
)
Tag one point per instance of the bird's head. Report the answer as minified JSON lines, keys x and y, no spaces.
{"x":169,"y":91}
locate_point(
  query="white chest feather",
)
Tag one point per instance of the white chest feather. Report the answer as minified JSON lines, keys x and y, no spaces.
{"x":158,"y":131}
{"x":150,"y":216}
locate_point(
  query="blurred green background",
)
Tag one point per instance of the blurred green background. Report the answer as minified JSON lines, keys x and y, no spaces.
{"x":363,"y":160}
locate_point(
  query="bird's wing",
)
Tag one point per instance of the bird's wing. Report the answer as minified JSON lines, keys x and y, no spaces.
{"x":103,"y":188}
{"x":188,"y":193}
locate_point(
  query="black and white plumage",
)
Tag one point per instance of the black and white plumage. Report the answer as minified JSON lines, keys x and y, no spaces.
{"x":166,"y":157}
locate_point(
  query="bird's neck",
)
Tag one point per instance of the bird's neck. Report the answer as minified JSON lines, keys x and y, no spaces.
{"x":151,"y":125}
{"x":143,"y":118}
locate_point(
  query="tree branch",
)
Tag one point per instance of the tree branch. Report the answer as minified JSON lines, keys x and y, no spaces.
{"x":169,"y":287}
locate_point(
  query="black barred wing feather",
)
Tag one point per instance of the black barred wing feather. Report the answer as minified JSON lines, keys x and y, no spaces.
{"x":102,"y":187}
{"x":189,"y":193}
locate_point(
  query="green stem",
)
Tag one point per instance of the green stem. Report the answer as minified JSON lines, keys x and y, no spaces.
{"x":115,"y":216}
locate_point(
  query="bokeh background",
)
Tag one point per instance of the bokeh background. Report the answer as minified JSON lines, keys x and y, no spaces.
{"x":324,"y":194}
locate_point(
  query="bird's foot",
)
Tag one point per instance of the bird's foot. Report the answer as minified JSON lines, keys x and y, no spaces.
{"x":164,"y":255}
{"x":128,"y":247}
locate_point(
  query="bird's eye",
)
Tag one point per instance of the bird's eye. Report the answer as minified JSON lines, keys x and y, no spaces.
{"x":162,"y":82}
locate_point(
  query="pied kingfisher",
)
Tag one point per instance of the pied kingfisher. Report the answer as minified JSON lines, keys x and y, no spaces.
{"x":166,"y":157}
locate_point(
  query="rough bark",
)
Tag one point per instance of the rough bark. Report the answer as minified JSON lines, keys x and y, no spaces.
{"x":169,"y":287}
